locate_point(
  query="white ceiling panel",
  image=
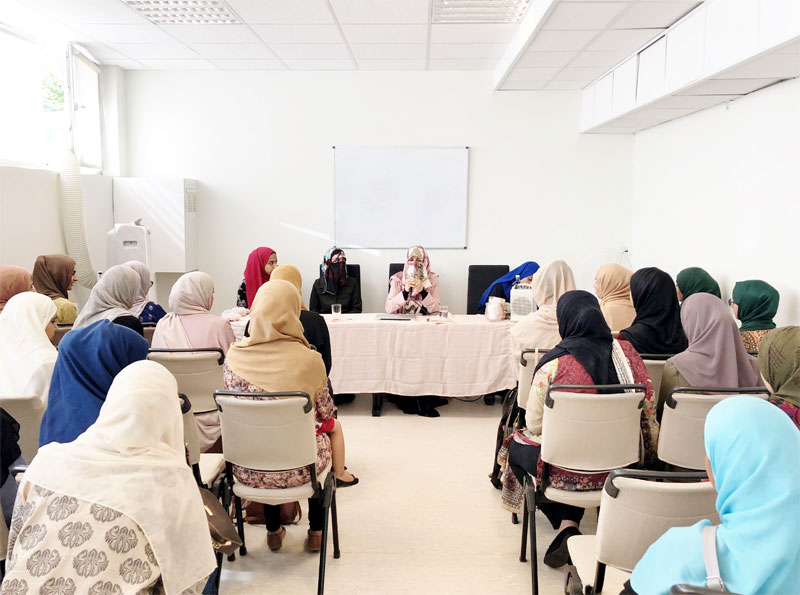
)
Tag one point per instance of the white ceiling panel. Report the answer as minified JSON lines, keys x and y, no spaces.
{"x":532,"y":74}
{"x":297,"y":12}
{"x":579,"y":74}
{"x":386,"y":33}
{"x":391,"y":64}
{"x":545,"y":59}
{"x":524,"y":85}
{"x":156,"y":51}
{"x":87,"y":11}
{"x":561,"y":41}
{"x":211,"y":33}
{"x":389,"y":51}
{"x":569,"y":16}
{"x":179,"y":64}
{"x":627,"y":40}
{"x":730,"y":86}
{"x":565,"y":86}
{"x":457,"y":51}
{"x":145,"y":33}
{"x":470,"y":33}
{"x":311,"y":51}
{"x":249,"y":64}
{"x":126,"y":64}
{"x":599,"y":59}
{"x":320,"y":64}
{"x":103,"y":52}
{"x":381,"y":11}
{"x":693,"y":101}
{"x":654,"y":14}
{"x":461,"y":64}
{"x":233,"y":51}
{"x":299,"y":33}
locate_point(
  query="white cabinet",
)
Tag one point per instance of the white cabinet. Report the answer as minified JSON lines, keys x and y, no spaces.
{"x":685,"y":44}
{"x":587,"y":108}
{"x":731,"y":33}
{"x":779,"y":22}
{"x":650,"y":83}
{"x":603,"y":93}
{"x":624,"y":96}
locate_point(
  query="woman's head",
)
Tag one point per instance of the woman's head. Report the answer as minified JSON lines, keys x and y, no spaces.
{"x":612,"y":282}
{"x":579,"y":315}
{"x":260,"y":264}
{"x":755,"y":303}
{"x":13,"y":280}
{"x":290,"y":273}
{"x":652,"y":288}
{"x":552,"y":281}
{"x":779,"y":362}
{"x":193,"y":293}
{"x":54,"y":275}
{"x":275,"y":314}
{"x":703,"y":314}
{"x":29,"y":313}
{"x":120,"y":285}
{"x":695,"y":280}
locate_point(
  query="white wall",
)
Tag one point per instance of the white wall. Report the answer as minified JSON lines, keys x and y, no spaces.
{"x":259,"y":145}
{"x":721,"y":189}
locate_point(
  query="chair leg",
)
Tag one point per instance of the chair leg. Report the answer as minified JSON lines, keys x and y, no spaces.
{"x":322,"y":552}
{"x":530,"y":509}
{"x":524,"y":543}
{"x":219,"y":573}
{"x":514,"y":518}
{"x":240,"y":524}
{"x":335,"y":523}
{"x":599,"y":577}
{"x":377,"y":404}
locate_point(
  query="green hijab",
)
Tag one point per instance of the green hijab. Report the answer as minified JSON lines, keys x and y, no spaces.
{"x":697,"y":280}
{"x":758,"y":304}
{"x":779,"y":361}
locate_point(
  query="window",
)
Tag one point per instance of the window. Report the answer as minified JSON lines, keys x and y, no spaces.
{"x":85,"y":107}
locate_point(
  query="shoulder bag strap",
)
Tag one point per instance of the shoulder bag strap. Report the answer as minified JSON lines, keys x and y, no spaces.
{"x":713,"y":578}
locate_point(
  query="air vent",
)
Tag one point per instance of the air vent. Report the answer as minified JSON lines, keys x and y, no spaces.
{"x":479,"y":11}
{"x":184,"y":12}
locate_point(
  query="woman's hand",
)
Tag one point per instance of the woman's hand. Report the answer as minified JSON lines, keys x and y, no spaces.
{"x":414,"y":283}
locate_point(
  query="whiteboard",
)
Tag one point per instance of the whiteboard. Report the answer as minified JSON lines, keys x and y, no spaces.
{"x":398,"y":197}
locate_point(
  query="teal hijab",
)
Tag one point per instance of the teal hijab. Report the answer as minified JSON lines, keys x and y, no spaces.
{"x":697,"y":280}
{"x":754,"y":449}
{"x":758,"y":304}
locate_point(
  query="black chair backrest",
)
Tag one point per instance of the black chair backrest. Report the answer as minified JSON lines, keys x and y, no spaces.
{"x":395,"y":267}
{"x":480,"y":277}
{"x":354,"y":270}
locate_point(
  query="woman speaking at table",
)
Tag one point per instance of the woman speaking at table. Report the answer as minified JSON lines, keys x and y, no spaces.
{"x":415,"y":289}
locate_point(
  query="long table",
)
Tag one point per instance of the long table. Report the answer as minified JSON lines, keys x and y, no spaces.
{"x":459,"y":356}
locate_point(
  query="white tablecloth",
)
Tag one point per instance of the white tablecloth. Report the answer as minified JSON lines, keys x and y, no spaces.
{"x":458,"y":357}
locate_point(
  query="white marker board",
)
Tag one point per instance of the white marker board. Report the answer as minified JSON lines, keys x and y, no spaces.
{"x":400,"y":197}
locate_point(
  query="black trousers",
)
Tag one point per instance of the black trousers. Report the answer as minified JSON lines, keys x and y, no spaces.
{"x":316,"y":515}
{"x":523,"y":459}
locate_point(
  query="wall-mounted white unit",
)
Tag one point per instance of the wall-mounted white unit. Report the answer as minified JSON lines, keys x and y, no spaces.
{"x":168,"y":208}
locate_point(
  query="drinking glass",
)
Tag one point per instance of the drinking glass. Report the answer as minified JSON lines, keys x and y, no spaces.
{"x":443,"y":311}
{"x":336,"y":310}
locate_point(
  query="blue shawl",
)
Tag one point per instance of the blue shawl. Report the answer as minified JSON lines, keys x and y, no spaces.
{"x":524,"y":270}
{"x":88,"y":360}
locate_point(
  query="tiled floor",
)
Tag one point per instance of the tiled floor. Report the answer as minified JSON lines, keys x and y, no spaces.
{"x":424,"y":518}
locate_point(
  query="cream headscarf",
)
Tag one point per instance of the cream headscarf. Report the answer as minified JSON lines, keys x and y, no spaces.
{"x":613,"y":282}
{"x":112,"y":297}
{"x":290,"y":273}
{"x":132,"y":460}
{"x":27,"y":356}
{"x":145,"y":283}
{"x":276,"y":355}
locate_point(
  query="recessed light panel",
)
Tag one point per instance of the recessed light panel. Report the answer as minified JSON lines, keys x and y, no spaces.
{"x":479,"y":11}
{"x":184,"y":12}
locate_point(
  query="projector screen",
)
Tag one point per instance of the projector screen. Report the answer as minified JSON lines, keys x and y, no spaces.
{"x":400,"y":197}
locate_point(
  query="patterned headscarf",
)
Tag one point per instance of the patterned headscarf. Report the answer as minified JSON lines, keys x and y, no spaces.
{"x":333,"y":274}
{"x":411,"y":269}
{"x":779,"y":361}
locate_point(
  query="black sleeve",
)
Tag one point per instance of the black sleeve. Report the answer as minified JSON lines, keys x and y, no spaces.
{"x":131,"y":322}
{"x":627,"y":589}
{"x":313,"y":300}
{"x":324,"y":346}
{"x":498,"y":291}
{"x":355,"y":304}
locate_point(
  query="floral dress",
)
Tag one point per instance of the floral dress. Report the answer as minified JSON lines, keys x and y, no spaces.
{"x":324,"y":410}
{"x":59,"y":545}
{"x":752,"y":339}
{"x":241,"y":296}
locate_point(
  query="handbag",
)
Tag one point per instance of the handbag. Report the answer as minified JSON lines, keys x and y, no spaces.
{"x":224,"y":537}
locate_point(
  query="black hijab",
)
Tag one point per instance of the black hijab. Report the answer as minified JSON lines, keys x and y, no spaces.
{"x":9,"y":449}
{"x":657,"y":326}
{"x":585,"y":336}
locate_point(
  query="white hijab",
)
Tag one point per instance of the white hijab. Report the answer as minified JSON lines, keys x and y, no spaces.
{"x":132,"y":460}
{"x":144,"y":278}
{"x":27,"y":356}
{"x":112,"y":297}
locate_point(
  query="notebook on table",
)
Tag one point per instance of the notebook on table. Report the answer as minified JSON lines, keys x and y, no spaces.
{"x":395,"y":316}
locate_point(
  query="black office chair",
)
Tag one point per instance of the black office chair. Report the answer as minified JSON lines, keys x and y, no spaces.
{"x":480,"y":277}
{"x":395,"y":267}
{"x":354,"y":270}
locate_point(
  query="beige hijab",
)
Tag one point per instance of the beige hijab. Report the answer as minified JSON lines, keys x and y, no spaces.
{"x":613,"y":284}
{"x":112,"y":297}
{"x":290,"y":273}
{"x":276,"y":356}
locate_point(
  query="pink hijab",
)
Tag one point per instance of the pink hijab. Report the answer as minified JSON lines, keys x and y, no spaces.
{"x":144,"y":276}
{"x":716,"y":356}
{"x":254,"y":274}
{"x":190,"y":324}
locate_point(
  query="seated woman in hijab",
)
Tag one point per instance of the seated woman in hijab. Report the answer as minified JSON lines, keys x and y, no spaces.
{"x":587,"y":354}
{"x":779,"y":361}
{"x":755,"y":303}
{"x":276,"y":357}
{"x":334,"y":286}
{"x":260,"y":264}
{"x":753,"y":461}
{"x":117,"y":510}
{"x":53,"y":276}
{"x":695,"y":280}
{"x":13,"y":280}
{"x":88,"y":361}
{"x":112,"y":299}
{"x":715,"y":357}
{"x":612,"y":286}
{"x":146,"y":310}
{"x":657,"y":326}
{"x":502,"y":287}
{"x":415,"y":289}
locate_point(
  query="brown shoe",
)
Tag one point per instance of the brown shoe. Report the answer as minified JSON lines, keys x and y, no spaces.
{"x":314,"y":541}
{"x":275,"y":540}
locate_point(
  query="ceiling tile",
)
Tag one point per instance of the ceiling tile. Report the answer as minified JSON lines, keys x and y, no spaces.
{"x":532,"y":74}
{"x":386,"y":33}
{"x":599,"y":59}
{"x":586,"y":75}
{"x":524,"y":86}
{"x":474,"y":64}
{"x":545,"y":59}
{"x":730,"y":86}
{"x":320,"y":64}
{"x":231,"y":51}
{"x":125,"y":64}
{"x":628,"y":40}
{"x":249,"y":64}
{"x":381,"y":11}
{"x":87,"y":11}
{"x":583,"y":15}
{"x":565,"y":86}
{"x":146,"y":33}
{"x":473,"y":33}
{"x":103,"y":52}
{"x":179,"y":64}
{"x":457,"y":51}
{"x":561,"y":41}
{"x":298,"y":33}
{"x":391,"y":64}
{"x":654,"y":14}
{"x":387,"y":51}
{"x":156,"y":51}
{"x":311,"y":51}
{"x":211,"y":33}
{"x":298,"y":12}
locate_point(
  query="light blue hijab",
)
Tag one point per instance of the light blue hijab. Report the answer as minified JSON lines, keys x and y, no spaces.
{"x":754,"y":450}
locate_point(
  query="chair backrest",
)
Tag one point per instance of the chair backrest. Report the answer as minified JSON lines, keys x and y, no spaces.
{"x":354,"y":270}
{"x":61,"y":330}
{"x":528,"y":360}
{"x":149,"y":330}
{"x":479,"y":277}
{"x":655,"y":367}
{"x":680,"y":439}
{"x":592,"y":432}
{"x":267,"y":431}
{"x":198,"y":372}
{"x":28,"y":411}
{"x":190,"y":436}
{"x":395,"y":267}
{"x":637,"y":507}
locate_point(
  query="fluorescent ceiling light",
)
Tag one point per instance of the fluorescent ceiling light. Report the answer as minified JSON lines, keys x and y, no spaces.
{"x":184,"y":12}
{"x":479,"y":11}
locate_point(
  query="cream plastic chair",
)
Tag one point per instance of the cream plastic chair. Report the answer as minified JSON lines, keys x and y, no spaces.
{"x":654,"y":362}
{"x":528,"y":360}
{"x":680,"y":439}
{"x":207,"y":467}
{"x":28,"y":411}
{"x":636,"y":508}
{"x":609,"y":429}
{"x":198,"y":372}
{"x":274,"y":435}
